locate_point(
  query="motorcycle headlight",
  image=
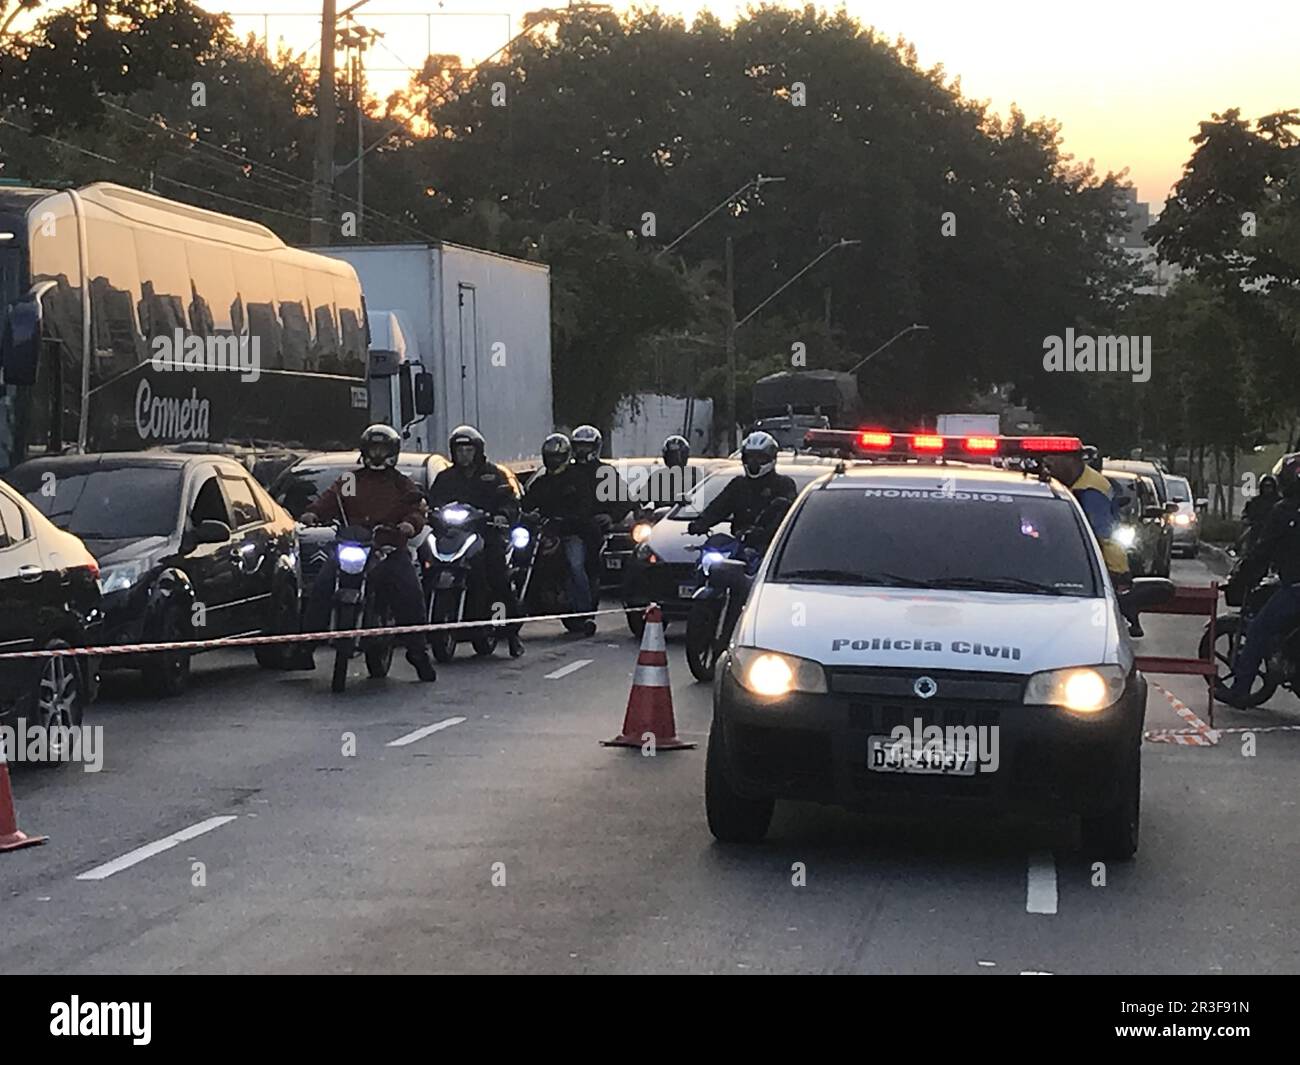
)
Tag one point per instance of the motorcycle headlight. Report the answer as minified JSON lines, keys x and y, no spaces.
{"x":1126,"y":536}
{"x":708,"y":558}
{"x":641,"y":532}
{"x":772,"y":674}
{"x":520,"y":537}
{"x":454,"y":515}
{"x":122,"y":576}
{"x":352,"y":557}
{"x":1084,"y":689}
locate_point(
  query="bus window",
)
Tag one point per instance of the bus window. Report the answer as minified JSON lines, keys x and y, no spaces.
{"x":291,"y":295}
{"x":353,"y":334}
{"x":212,"y":281}
{"x":114,"y":292}
{"x":164,"y":282}
{"x":256,"y":283}
{"x":325,"y":332}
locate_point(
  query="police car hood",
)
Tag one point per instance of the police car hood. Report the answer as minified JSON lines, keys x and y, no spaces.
{"x":938,"y":629}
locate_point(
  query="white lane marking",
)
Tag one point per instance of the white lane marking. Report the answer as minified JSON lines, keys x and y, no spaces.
{"x":428,"y":730}
{"x":1040,"y":896}
{"x":572,"y":667}
{"x":135,"y":857}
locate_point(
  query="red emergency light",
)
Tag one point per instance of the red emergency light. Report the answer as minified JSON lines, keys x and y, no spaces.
{"x":878,"y":443}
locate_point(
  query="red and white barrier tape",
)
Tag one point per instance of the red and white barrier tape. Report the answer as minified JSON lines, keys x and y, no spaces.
{"x":1199,"y":735}
{"x":296,"y":637}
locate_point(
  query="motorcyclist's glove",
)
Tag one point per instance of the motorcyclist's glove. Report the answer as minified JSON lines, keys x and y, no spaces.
{"x":406,"y":529}
{"x":309,"y":519}
{"x":500,"y":521}
{"x":604,"y":522}
{"x":697,"y":528}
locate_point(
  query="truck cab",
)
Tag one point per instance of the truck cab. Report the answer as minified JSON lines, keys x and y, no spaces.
{"x":400,"y":388}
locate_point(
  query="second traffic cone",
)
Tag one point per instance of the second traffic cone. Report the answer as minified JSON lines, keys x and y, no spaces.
{"x":650,"y":703}
{"x":10,"y":838}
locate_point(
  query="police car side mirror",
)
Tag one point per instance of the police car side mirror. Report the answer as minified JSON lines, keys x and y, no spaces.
{"x":1171,"y":508}
{"x":1146,"y":592}
{"x":728,"y":574}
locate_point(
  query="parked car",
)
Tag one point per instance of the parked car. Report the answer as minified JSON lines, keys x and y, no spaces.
{"x":188,"y":546}
{"x":1186,"y":520}
{"x":1153,"y":470}
{"x":296,"y":487}
{"x":49,"y":597}
{"x":1144,"y":531}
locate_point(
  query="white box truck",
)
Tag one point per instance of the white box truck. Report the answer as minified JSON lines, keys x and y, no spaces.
{"x":966,"y":424}
{"x":478,"y":323}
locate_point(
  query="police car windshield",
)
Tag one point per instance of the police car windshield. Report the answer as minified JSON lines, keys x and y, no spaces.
{"x":978,"y":541}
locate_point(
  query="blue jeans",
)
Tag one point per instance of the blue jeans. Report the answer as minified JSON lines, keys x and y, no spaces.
{"x":575,"y":555}
{"x":1280,"y":612}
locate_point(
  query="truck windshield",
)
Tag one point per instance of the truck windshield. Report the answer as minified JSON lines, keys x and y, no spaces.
{"x":1002,"y":543}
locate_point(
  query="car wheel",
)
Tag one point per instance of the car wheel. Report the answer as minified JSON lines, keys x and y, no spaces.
{"x":732,"y":818}
{"x":1227,"y":642}
{"x":167,"y":673}
{"x":58,"y":702}
{"x":484,"y":645}
{"x":284,"y":619}
{"x":1113,"y":835}
{"x":636,"y":622}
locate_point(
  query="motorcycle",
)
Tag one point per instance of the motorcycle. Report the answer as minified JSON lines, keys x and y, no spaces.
{"x":455,"y":584}
{"x":1280,"y":668}
{"x":539,"y":569}
{"x":355,"y":604}
{"x":715,"y":610}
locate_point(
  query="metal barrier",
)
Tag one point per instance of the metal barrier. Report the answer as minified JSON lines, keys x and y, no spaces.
{"x":1201,"y":600}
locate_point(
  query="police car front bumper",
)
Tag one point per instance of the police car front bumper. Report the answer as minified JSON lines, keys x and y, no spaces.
{"x":816,"y":748}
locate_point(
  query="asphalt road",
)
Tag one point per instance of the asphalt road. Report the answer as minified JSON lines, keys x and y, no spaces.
{"x":508,"y":840}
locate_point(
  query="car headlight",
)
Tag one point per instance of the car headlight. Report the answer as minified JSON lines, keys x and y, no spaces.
{"x":520,"y":537}
{"x":352,"y":557}
{"x":1182,"y":519}
{"x":641,"y":532}
{"x":1125,"y":536}
{"x":773,"y":674}
{"x":122,"y":576}
{"x":1084,"y":689}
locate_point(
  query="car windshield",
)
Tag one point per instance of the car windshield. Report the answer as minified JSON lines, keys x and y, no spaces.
{"x":296,"y":488}
{"x":1179,"y":490}
{"x":125,"y":503}
{"x":987,"y":541}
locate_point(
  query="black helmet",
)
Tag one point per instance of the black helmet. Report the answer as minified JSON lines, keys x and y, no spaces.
{"x":677,"y":451}
{"x":1288,"y":475}
{"x":758,"y":453}
{"x":586,"y":443}
{"x":1268,"y":485}
{"x":380,"y":446}
{"x":463,"y":437}
{"x":556,"y":452}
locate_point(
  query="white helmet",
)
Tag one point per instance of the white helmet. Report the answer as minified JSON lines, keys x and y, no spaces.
{"x":758,"y":453}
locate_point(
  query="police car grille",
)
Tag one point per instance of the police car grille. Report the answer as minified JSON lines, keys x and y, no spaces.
{"x":880,"y":718}
{"x":951,"y":686}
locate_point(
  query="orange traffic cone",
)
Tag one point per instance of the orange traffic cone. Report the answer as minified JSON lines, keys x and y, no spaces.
{"x":650,"y":703}
{"x":10,"y":838}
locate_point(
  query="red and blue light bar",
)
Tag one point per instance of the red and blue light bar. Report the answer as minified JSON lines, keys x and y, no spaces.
{"x":883,"y":442}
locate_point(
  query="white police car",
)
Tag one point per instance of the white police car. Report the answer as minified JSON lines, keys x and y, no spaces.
{"x":923,"y":635}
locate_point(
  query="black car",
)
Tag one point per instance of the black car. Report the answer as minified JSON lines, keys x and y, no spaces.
{"x":296,"y":487}
{"x":1143,"y":530}
{"x":49,"y":597}
{"x":189,"y":546}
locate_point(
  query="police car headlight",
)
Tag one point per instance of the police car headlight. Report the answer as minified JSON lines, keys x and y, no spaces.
{"x":1084,"y":690}
{"x":1182,"y":519}
{"x":772,"y":674}
{"x":1126,"y":536}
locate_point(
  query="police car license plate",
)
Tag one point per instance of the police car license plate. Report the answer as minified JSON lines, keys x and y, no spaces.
{"x":685,"y":591}
{"x":885,"y":754}
{"x":613,"y":562}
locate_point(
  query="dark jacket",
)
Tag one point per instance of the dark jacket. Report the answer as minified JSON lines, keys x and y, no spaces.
{"x":1278,"y":545}
{"x":578,"y":492}
{"x":1257,"y":509}
{"x":746,"y":501}
{"x":485,"y":486}
{"x":371,"y":497}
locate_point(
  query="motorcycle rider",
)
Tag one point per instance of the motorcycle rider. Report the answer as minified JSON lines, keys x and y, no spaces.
{"x":375,"y":494}
{"x":473,"y":480}
{"x":671,"y":484}
{"x":1278,"y":545}
{"x":1256,"y":511}
{"x":754,"y":501}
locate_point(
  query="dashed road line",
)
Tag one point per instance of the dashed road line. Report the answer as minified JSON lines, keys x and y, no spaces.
{"x":1040,"y":884}
{"x":428,"y":730}
{"x":572,"y":667}
{"x":140,"y":854}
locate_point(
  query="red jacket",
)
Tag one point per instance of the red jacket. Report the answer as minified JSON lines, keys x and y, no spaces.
{"x":371,"y":497}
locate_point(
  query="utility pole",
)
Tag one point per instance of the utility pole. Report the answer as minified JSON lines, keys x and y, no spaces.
{"x":732,"y":431}
{"x":323,"y":177}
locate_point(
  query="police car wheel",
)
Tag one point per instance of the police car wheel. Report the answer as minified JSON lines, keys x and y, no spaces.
{"x":1114,"y":834}
{"x":732,"y":818}
{"x":636,"y":622}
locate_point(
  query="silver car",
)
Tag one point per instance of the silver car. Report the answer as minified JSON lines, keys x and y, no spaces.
{"x":1186,"y":521}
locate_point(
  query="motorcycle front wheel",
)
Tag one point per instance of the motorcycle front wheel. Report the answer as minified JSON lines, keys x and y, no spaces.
{"x":445,"y":608}
{"x":702,"y":637}
{"x":1229,"y":633}
{"x":379,"y":649}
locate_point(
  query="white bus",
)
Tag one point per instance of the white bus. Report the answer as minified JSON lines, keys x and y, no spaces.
{"x":101,"y":283}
